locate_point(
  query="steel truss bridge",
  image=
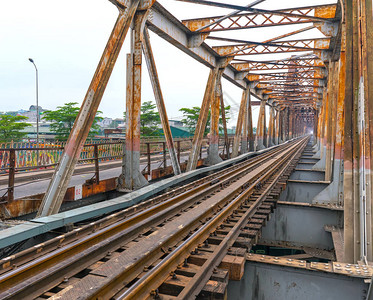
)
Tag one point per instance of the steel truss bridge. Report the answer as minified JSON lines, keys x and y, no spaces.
{"x":301,"y":186}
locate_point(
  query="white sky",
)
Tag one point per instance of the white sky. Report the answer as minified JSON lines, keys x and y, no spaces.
{"x":66,"y":40}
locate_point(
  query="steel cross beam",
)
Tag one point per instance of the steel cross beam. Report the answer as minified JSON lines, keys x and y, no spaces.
{"x":247,"y":48}
{"x":261,"y":18}
{"x":169,"y":28}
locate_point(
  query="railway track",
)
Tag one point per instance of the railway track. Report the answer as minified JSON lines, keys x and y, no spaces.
{"x":167,"y":247}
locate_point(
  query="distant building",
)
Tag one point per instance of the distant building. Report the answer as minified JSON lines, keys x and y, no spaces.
{"x":176,"y":123}
{"x":118,"y":122}
{"x":179,"y":132}
{"x":45,"y":132}
{"x":31,"y":113}
{"x":105,"y":122}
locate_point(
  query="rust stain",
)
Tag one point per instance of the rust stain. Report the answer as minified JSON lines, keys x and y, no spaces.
{"x":195,"y":25}
{"x":224,"y":50}
{"x":30,"y":204}
{"x":322,"y":44}
{"x":325,"y":11}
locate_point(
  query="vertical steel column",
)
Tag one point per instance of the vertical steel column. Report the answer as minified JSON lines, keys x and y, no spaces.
{"x":287,"y":129}
{"x":57,"y":188}
{"x":245,"y":124}
{"x":153,"y":74}
{"x":202,"y":120}
{"x":358,"y":132}
{"x":277,"y":131}
{"x":261,"y":128}
{"x":240,"y":119}
{"x":318,"y":147}
{"x":315,"y":125}
{"x":250,"y":123}
{"x":333,"y":193}
{"x":327,"y":97}
{"x":222,"y":108}
{"x":132,"y":178}
{"x":213,"y":153}
{"x":331,"y":121}
{"x":290,"y":123}
{"x":283,"y":125}
{"x":271,"y":127}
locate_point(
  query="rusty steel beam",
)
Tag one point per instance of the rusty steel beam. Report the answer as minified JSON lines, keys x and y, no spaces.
{"x":57,"y":188}
{"x":202,"y":120}
{"x":240,"y":120}
{"x":277,"y":127}
{"x":261,"y":134}
{"x":271,"y":127}
{"x":219,"y":19}
{"x":358,"y":133}
{"x":224,"y":120}
{"x":153,"y":74}
{"x":131,"y":177}
{"x":245,"y":47}
{"x":213,"y":153}
{"x":172,"y":30}
{"x":234,"y":21}
{"x":250,"y":123}
{"x":245,"y":125}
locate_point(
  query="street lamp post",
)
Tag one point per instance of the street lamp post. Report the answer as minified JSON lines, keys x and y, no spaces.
{"x":37,"y":111}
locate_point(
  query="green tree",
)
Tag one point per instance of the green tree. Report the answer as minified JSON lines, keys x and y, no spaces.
{"x":11,"y":126}
{"x":63,"y":119}
{"x":150,"y":120}
{"x":191,"y":116}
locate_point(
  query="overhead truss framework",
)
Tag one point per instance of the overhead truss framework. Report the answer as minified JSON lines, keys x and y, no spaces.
{"x":302,"y":74}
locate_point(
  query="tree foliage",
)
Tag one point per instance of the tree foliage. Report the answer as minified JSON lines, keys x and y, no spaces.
{"x":150,"y":120}
{"x":63,"y":119}
{"x":11,"y":126}
{"x":191,"y":116}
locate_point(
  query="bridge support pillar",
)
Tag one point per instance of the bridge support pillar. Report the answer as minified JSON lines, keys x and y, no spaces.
{"x":358,"y":149}
{"x":250,"y":123}
{"x":241,"y":120}
{"x":222,"y":109}
{"x":320,"y":165}
{"x":321,"y":129}
{"x":277,"y":127}
{"x":131,"y":177}
{"x":333,"y":193}
{"x":291,"y":123}
{"x":213,"y":154}
{"x":271,"y":127}
{"x":261,"y":128}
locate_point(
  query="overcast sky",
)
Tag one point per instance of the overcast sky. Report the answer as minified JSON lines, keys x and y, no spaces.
{"x":66,"y":40}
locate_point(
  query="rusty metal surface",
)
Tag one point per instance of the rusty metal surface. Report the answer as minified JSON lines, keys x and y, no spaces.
{"x":56,"y":190}
{"x":81,"y":252}
{"x":353,"y":270}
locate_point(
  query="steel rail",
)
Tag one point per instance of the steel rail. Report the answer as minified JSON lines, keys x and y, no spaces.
{"x":17,"y":259}
{"x":196,"y":284}
{"x":113,"y":234}
{"x":106,"y":291}
{"x":153,"y":278}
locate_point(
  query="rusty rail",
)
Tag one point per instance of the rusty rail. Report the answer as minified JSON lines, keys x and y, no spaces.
{"x":66,"y":260}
